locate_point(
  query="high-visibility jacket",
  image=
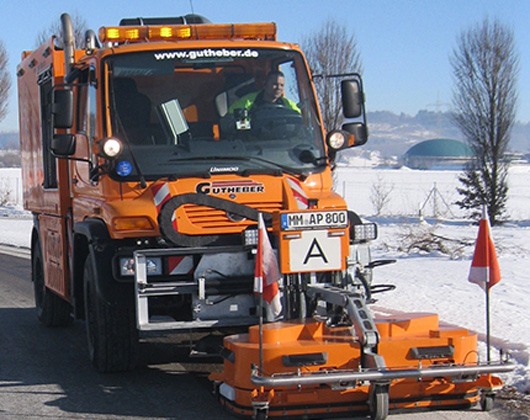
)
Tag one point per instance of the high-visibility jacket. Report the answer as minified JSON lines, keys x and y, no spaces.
{"x":256,"y":99}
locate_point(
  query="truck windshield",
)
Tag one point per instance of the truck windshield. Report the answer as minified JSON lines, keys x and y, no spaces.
{"x":200,"y":112}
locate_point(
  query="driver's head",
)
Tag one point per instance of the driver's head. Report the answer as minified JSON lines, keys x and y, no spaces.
{"x":274,"y":85}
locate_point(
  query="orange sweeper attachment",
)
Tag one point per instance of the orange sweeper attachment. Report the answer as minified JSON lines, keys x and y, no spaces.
{"x":330,"y":356}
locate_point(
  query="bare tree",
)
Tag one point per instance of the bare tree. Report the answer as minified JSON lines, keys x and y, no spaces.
{"x":485,"y":69}
{"x":331,"y":50}
{"x":380,"y":195}
{"x":80,"y":27}
{"x":5,"y":192}
{"x":5,"y":81}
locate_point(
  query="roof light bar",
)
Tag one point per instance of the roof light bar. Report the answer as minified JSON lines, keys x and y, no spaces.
{"x":122,"y":34}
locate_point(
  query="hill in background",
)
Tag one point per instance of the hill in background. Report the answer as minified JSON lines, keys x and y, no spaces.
{"x":9,"y":140}
{"x":391,"y":134}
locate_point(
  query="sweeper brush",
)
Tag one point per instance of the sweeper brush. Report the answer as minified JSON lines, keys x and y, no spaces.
{"x":353,"y":364}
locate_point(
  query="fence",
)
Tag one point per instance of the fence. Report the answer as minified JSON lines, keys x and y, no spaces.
{"x":409,"y":191}
{"x":421,"y":193}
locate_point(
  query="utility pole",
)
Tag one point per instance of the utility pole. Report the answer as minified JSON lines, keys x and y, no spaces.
{"x":438,"y":105}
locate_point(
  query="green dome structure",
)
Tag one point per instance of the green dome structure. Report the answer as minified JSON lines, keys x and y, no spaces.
{"x":438,"y":153}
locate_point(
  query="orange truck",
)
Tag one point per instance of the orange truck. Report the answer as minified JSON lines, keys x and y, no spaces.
{"x":148,"y":158}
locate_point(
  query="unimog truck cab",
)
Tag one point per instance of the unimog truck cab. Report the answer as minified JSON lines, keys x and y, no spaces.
{"x":146,"y":181}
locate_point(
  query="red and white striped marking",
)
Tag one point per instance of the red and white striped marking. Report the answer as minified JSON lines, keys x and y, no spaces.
{"x":161,"y":194}
{"x":299,"y":194}
{"x":182,"y":264}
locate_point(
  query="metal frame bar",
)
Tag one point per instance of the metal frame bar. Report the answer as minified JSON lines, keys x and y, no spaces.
{"x":144,"y":289}
{"x":330,"y":377}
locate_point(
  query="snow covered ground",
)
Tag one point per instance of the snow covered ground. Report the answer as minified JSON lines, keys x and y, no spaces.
{"x":436,"y":281}
{"x":426,"y":280}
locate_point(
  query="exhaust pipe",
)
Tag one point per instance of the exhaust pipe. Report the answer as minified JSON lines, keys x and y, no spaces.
{"x":69,"y":43}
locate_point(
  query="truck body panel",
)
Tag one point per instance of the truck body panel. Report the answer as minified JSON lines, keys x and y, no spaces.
{"x":192,"y":171}
{"x":54,"y":245}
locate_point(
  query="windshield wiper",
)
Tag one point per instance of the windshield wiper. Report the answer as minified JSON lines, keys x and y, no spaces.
{"x":277,"y":167}
{"x":276,"y":170}
{"x":195,"y":174}
{"x":205,"y":158}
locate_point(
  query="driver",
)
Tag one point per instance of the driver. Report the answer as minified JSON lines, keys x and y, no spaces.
{"x":272,"y":93}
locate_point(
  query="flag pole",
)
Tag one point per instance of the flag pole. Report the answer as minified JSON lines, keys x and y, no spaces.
{"x":485,"y":216}
{"x":488,"y":324}
{"x":485,"y":270}
{"x":266,"y":275}
{"x":259,"y":256}
{"x":261,"y":333}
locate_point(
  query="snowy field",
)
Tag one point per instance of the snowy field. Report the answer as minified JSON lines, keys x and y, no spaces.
{"x":436,"y":281}
{"x":426,"y":280}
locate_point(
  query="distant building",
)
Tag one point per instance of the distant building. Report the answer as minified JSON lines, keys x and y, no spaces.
{"x":438,"y":153}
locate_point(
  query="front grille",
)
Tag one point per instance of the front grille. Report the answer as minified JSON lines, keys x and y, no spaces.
{"x":207,"y":217}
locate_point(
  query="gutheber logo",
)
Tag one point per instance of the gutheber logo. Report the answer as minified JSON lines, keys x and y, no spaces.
{"x":229,"y":187}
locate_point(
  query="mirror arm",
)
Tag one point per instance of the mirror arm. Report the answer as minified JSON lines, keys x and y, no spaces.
{"x":90,"y":164}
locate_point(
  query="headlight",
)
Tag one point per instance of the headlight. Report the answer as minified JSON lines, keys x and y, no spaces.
{"x":363,"y":233}
{"x":250,"y":236}
{"x":111,"y":148}
{"x":336,"y":140}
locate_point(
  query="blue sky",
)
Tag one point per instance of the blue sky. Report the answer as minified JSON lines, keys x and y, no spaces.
{"x":405,"y":45}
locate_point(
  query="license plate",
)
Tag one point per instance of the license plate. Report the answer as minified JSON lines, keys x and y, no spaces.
{"x":314,"y":220}
{"x":315,"y":251}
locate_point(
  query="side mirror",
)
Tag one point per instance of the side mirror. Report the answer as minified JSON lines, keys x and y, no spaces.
{"x":352,"y":98}
{"x":63,"y":108}
{"x":63,"y":145}
{"x":359,"y":132}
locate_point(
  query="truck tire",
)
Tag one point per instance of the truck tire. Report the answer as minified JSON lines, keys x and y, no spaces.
{"x":52,"y":310}
{"x":111,"y":329}
{"x":379,"y":402}
{"x":487,"y":401}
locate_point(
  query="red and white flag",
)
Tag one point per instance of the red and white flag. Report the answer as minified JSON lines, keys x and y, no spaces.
{"x":485,"y":269}
{"x":267,"y":273}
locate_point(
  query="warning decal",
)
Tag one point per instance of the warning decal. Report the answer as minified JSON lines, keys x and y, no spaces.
{"x":315,"y":250}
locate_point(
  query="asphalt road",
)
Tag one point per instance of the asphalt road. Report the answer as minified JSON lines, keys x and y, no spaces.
{"x":45,"y":373}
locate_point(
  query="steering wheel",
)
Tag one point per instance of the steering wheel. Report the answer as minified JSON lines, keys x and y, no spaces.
{"x":275,"y":121}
